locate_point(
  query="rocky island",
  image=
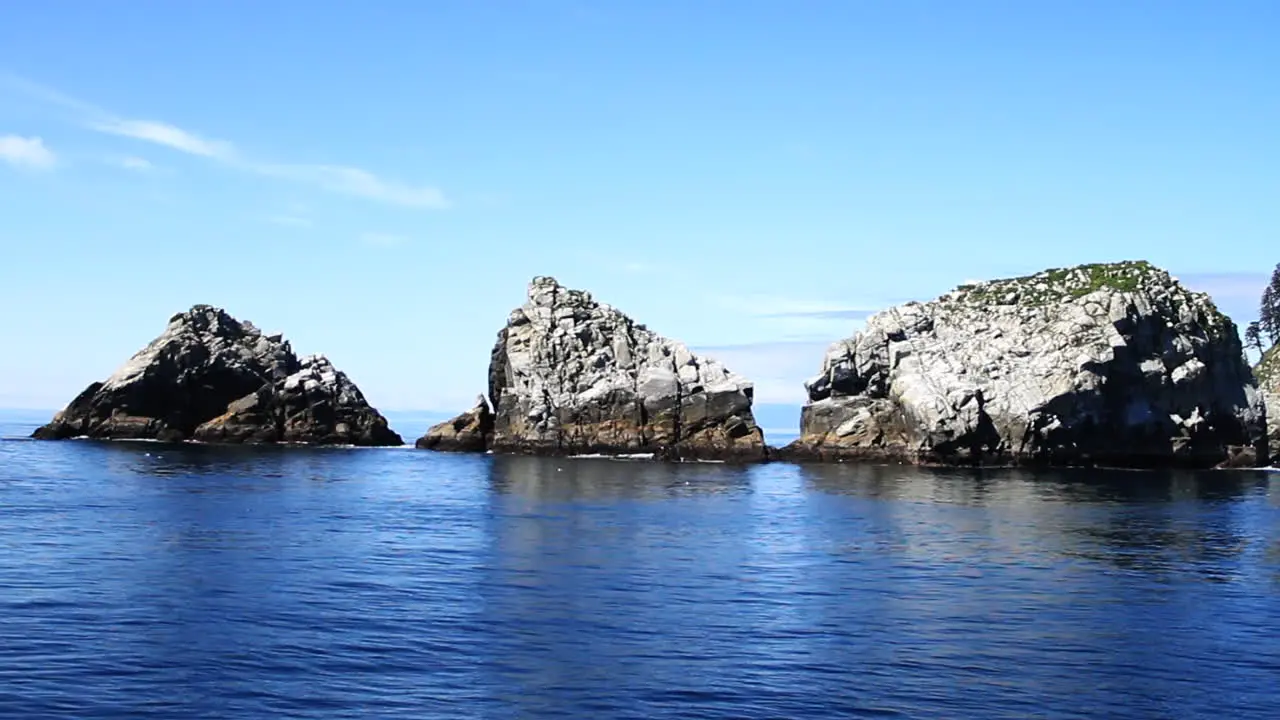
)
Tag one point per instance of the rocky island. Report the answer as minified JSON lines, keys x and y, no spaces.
{"x":1108,"y":364}
{"x":569,"y":376}
{"x":209,"y":377}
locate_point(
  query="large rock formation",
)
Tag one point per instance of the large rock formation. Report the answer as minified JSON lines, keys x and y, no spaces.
{"x":212,"y":378}
{"x":1268,"y":375}
{"x":571,"y":376}
{"x":1113,"y":364}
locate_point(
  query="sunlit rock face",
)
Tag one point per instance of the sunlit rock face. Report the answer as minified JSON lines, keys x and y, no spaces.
{"x":1113,"y":364}
{"x":569,"y":375}
{"x":1268,"y":374}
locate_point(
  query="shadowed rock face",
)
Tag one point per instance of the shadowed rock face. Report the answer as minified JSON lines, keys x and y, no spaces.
{"x":1106,"y":364}
{"x":213,"y":378}
{"x":569,"y":375}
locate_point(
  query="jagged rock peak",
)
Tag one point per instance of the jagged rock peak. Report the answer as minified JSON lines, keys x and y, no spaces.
{"x":211,"y":377}
{"x":1112,"y":363}
{"x":316,"y":375}
{"x":570,"y":375}
{"x":226,"y":339}
{"x":211,"y":318}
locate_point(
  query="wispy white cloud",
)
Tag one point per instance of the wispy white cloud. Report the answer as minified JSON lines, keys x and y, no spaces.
{"x":378,"y":239}
{"x":790,"y":318}
{"x":777,"y":369}
{"x":290,"y":220}
{"x":341,"y":179}
{"x":357,"y":182}
{"x":783,"y":306}
{"x":26,"y":152}
{"x":166,"y":135}
{"x":130,"y":162}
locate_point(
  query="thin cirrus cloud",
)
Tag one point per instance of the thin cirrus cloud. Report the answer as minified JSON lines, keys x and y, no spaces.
{"x":136,"y":164}
{"x":378,"y":239}
{"x":778,"y":369}
{"x":340,"y":179}
{"x":26,"y":152}
{"x":832,"y":314}
{"x":290,"y":221}
{"x":167,"y":135}
{"x":785,"y":318}
{"x":359,"y":183}
{"x":782,"y":307}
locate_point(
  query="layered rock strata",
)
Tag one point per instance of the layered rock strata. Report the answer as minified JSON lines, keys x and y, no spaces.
{"x":1112,"y":364}
{"x":212,"y":378}
{"x":569,"y":375}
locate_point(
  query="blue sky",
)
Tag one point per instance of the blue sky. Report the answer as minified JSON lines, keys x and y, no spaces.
{"x":381,"y":180}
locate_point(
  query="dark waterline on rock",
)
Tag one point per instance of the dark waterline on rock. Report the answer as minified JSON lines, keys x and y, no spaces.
{"x":150,"y":580}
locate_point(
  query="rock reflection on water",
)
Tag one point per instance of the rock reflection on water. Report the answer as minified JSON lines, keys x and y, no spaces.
{"x":1200,"y":524}
{"x":563,"y":479}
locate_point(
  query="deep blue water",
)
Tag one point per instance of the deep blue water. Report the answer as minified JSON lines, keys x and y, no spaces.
{"x":140,"y":580}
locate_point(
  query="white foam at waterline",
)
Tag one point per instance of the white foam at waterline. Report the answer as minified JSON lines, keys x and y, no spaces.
{"x":131,"y":440}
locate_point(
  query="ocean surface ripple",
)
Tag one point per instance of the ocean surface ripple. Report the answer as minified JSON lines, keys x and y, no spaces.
{"x":143,"y":580}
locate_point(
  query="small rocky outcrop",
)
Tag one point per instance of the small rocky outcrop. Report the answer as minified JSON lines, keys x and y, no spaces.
{"x":570,"y":376}
{"x":1112,"y":364}
{"x":1268,"y":374}
{"x":212,"y":378}
{"x":468,"y":432}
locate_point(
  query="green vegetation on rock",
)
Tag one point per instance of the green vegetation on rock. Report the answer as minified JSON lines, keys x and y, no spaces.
{"x":1059,"y":284}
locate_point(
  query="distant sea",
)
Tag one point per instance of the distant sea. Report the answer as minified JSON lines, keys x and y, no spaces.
{"x":145,"y":580}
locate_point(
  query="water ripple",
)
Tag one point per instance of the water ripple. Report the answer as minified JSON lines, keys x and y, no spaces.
{"x":151,"y":580}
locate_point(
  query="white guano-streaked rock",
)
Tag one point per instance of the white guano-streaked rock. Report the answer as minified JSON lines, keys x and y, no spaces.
{"x":569,"y":376}
{"x":1107,"y":364}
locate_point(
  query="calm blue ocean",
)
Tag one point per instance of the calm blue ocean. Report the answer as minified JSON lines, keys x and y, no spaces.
{"x":140,"y":580}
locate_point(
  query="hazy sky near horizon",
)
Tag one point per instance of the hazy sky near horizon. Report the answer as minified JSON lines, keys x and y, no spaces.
{"x":380,"y":180}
